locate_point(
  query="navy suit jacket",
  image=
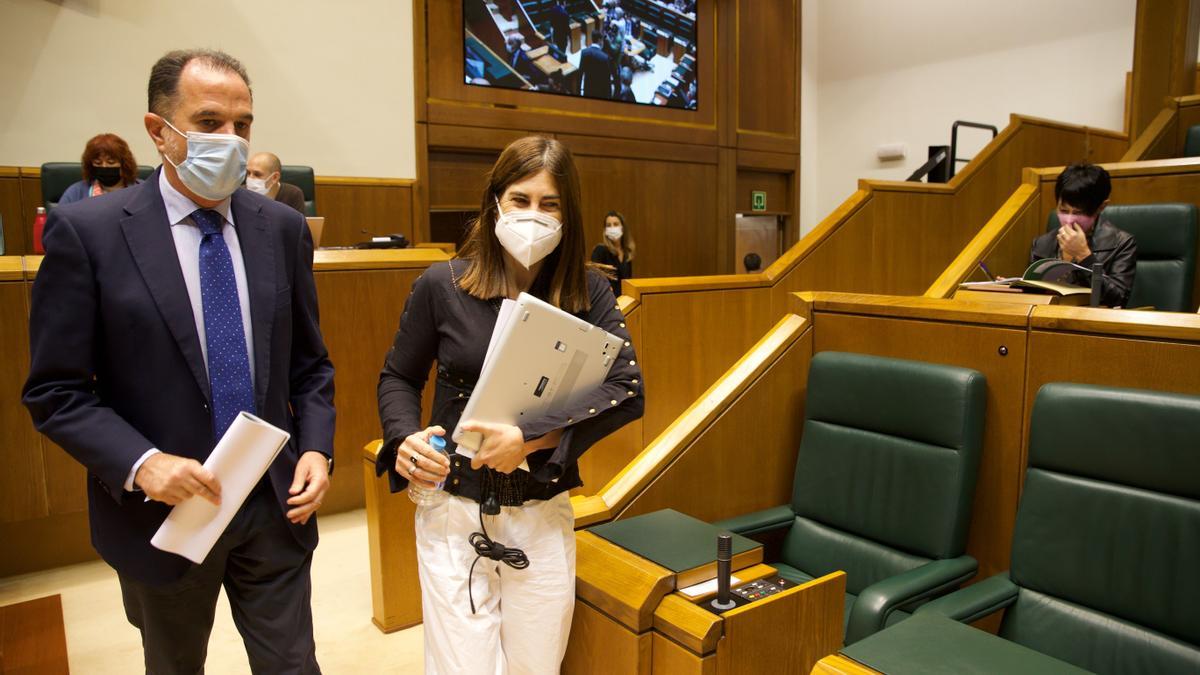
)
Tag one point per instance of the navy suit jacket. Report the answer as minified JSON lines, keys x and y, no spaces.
{"x":597,"y":72}
{"x":116,"y":366}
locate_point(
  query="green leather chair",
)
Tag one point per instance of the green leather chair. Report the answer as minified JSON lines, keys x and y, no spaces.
{"x":302,"y":177}
{"x":1106,"y":553}
{"x":58,"y":176}
{"x":1191,"y":144}
{"x":883,"y":485}
{"x":1166,"y":249}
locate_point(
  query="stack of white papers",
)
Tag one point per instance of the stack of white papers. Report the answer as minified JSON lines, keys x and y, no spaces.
{"x":239,"y":462}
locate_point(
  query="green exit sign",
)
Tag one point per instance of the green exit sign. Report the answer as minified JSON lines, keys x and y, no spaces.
{"x":758,"y":200}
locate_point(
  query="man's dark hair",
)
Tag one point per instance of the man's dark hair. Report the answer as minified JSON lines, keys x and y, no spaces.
{"x":597,"y":35}
{"x":752,"y":262}
{"x":163,"y":91}
{"x":1084,"y":186}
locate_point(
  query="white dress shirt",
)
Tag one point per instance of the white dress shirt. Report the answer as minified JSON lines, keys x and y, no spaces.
{"x":187,"y":236}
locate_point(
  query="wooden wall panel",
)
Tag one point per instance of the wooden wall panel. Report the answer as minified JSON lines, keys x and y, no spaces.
{"x":775,"y":184}
{"x":23,"y":480}
{"x":457,"y":178}
{"x":606,"y":458}
{"x":355,"y":209}
{"x":751,"y":449}
{"x":12,"y":211}
{"x":968,"y":346}
{"x":1109,"y":361}
{"x":1164,"y":56}
{"x":689,"y":340}
{"x":360,"y":313}
{"x":768,"y":45}
{"x":670,"y":207}
{"x":1010,"y":256}
{"x":683,"y":204}
{"x":1188,"y":117}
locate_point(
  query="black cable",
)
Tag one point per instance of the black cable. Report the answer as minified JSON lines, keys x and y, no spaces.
{"x":485,"y":547}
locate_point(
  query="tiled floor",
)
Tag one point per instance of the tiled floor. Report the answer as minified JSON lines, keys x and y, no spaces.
{"x":100,"y":640}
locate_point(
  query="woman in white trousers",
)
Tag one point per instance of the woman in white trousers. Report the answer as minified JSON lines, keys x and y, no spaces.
{"x":496,"y":556}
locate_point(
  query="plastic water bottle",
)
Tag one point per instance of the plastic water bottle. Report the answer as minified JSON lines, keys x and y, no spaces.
{"x":39,"y":226}
{"x":423,"y":496}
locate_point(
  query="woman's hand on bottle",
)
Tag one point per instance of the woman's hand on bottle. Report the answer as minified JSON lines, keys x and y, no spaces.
{"x":417,"y":461}
{"x":503,"y":446}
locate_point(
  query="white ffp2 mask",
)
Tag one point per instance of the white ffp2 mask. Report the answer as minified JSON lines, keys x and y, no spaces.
{"x":215,"y":164}
{"x":528,"y":235}
{"x":613,"y":232}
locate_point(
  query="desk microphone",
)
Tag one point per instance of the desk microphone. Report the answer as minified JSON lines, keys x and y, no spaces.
{"x":724,"y":557}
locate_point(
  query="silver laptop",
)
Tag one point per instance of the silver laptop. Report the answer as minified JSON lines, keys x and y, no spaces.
{"x":540,"y":360}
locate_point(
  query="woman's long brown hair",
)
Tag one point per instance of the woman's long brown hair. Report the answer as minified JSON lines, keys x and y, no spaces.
{"x":564,"y":271}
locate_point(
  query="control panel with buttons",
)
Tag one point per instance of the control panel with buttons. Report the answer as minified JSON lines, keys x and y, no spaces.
{"x":757,"y":590}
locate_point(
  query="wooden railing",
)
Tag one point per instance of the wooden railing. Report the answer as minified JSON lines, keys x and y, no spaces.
{"x":888,"y":237}
{"x":1164,"y":137}
{"x":734,"y":450}
{"x":1003,"y":243}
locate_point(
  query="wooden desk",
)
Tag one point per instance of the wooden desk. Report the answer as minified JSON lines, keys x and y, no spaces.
{"x":628,"y":620}
{"x":664,"y":44}
{"x":635,"y":48}
{"x":577,"y":41}
{"x":840,"y":664}
{"x":32,"y":637}
{"x":1022,"y":298}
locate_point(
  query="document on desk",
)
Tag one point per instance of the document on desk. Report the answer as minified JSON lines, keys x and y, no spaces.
{"x":239,"y":462}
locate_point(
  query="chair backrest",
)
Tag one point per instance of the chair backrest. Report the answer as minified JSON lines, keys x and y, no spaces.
{"x":1107,"y":541}
{"x":887,"y":466}
{"x":302,"y":177}
{"x":1166,"y":252}
{"x":58,"y":176}
{"x":1191,"y":145}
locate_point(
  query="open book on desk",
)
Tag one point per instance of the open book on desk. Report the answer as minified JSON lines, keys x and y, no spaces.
{"x":1043,"y":276}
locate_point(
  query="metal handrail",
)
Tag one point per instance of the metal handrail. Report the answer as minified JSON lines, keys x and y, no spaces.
{"x":925,"y":168}
{"x":954,"y":158}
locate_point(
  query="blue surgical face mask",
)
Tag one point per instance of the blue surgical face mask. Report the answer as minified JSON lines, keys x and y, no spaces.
{"x":215,"y":165}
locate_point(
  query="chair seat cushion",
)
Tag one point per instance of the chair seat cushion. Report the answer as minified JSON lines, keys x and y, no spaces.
{"x":798,"y":576}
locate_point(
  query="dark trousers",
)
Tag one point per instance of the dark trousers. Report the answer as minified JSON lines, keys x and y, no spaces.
{"x":266,"y":577}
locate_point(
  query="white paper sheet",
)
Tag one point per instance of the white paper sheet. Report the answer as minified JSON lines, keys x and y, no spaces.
{"x":239,"y":462}
{"x":706,"y":587}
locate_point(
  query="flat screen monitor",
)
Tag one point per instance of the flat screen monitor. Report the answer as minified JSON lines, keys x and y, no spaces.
{"x":634,"y":51}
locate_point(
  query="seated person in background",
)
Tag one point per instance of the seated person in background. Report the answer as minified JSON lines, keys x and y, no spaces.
{"x":520,"y":61}
{"x":263,"y":176}
{"x":752,"y":262}
{"x":107,"y":165}
{"x":1084,"y":237}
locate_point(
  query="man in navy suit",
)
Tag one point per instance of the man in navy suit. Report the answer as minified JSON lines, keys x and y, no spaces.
{"x":597,"y":69}
{"x":160,"y":313}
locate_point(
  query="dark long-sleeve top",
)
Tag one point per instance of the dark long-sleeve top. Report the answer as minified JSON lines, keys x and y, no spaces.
{"x":442,"y":322}
{"x":1112,"y":247}
{"x":623,"y":268}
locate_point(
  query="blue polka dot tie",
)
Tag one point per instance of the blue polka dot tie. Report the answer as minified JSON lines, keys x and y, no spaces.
{"x":228,"y":362}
